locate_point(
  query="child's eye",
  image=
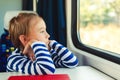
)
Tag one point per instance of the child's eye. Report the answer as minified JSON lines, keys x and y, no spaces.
{"x":42,"y":31}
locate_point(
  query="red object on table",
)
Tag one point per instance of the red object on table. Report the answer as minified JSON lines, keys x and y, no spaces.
{"x":41,"y":77}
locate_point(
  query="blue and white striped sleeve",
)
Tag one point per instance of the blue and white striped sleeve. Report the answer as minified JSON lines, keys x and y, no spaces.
{"x":63,"y":57}
{"x":42,"y":65}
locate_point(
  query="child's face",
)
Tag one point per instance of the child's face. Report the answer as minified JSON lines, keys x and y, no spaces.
{"x":38,"y":31}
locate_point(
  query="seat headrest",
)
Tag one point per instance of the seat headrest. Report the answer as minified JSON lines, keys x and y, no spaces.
{"x":10,"y":14}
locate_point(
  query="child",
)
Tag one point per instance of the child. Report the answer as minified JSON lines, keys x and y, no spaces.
{"x":35,"y":53}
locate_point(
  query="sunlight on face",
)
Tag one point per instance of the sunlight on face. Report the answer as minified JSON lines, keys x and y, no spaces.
{"x":38,"y":30}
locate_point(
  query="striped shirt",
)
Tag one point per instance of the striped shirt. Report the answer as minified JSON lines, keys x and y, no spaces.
{"x":46,"y":61}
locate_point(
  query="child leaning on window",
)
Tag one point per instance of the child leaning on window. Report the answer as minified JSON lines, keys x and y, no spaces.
{"x":35,"y":53}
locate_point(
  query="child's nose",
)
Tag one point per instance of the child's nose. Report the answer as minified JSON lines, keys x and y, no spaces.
{"x":48,"y":36}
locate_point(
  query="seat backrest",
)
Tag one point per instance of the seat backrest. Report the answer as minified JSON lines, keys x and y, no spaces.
{"x":10,"y":14}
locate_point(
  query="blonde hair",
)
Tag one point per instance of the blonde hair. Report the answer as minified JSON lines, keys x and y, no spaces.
{"x":20,"y":25}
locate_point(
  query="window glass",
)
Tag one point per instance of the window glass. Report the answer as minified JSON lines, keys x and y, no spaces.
{"x":100,"y":24}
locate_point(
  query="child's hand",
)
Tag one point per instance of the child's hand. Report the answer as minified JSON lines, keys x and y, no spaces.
{"x":28,"y":50}
{"x":48,"y":45}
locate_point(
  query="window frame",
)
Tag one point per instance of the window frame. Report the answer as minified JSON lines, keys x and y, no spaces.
{"x":75,"y":38}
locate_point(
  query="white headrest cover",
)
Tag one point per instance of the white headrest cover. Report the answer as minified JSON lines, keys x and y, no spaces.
{"x":10,"y":14}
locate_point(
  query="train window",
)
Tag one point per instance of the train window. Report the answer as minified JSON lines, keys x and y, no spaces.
{"x":100,"y":24}
{"x":98,"y":27}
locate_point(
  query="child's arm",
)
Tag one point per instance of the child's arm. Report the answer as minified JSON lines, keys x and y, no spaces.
{"x":62,"y":56}
{"x":42,"y":65}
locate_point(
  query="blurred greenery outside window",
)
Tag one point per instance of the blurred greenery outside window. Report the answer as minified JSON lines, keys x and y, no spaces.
{"x":100,"y":24}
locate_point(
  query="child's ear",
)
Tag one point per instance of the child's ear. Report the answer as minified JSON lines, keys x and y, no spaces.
{"x":23,"y":39}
